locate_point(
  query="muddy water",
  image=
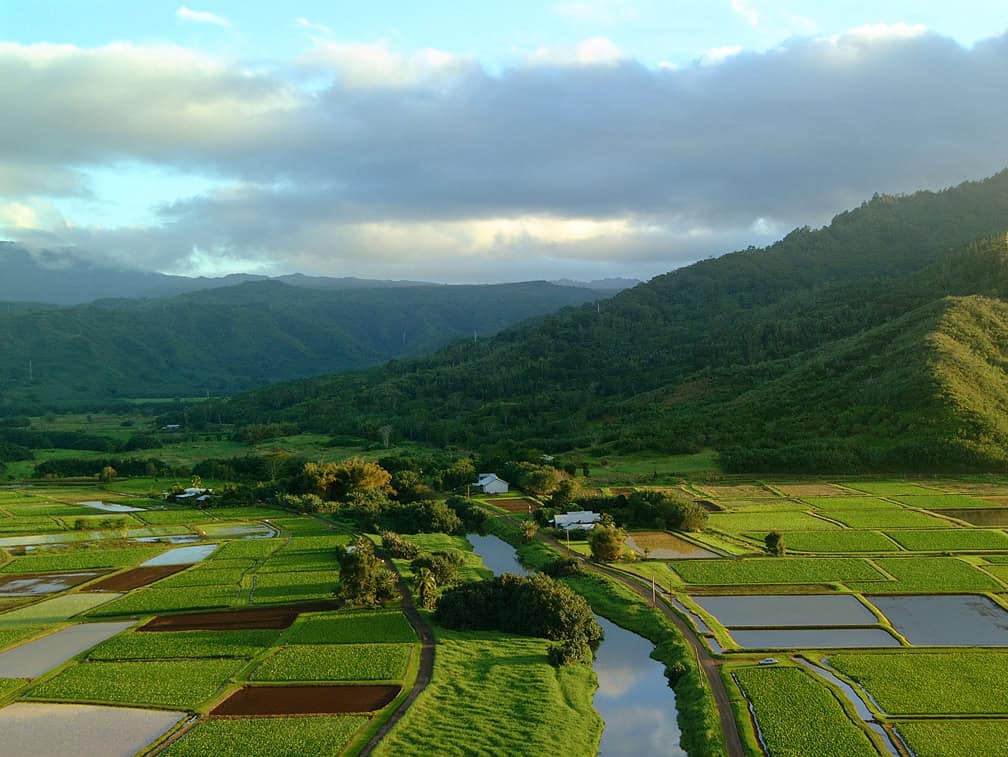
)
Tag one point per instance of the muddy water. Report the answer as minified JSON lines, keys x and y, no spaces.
{"x":109,"y":507}
{"x":954,"y":620}
{"x":981,"y":517}
{"x":43,"y":583}
{"x":784,"y":611}
{"x":814,"y":638}
{"x":673,"y":548}
{"x":633,"y":696}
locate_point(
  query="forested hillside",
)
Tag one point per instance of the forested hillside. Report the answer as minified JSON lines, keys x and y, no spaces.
{"x":235,"y":338}
{"x":836,"y":348}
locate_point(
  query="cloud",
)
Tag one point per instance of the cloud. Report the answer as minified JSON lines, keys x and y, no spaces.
{"x":200,"y":17}
{"x":425,"y":165}
{"x":311,"y":26}
{"x":717,"y":55}
{"x":745,"y":9}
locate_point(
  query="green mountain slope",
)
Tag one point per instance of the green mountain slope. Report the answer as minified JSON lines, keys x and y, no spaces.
{"x":804,"y":348}
{"x":235,"y":338}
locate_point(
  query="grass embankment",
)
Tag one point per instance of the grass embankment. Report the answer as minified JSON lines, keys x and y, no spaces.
{"x":492,"y":693}
{"x":698,"y":719}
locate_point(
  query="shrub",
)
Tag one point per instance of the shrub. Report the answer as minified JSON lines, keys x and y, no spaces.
{"x":562,"y":566}
{"x":396,"y":546}
{"x":364,"y":579}
{"x":570,"y":652}
{"x":606,"y":543}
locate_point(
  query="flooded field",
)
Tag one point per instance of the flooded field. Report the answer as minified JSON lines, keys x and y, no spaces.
{"x":980,"y":517}
{"x":786,"y":610}
{"x":181,"y":556}
{"x":243,"y":530}
{"x":45,"y":730}
{"x":814,"y":638}
{"x":43,"y":583}
{"x":38,"y":657}
{"x":305,"y":700}
{"x":956,"y":620}
{"x":664,"y":546}
{"x":108,"y":507}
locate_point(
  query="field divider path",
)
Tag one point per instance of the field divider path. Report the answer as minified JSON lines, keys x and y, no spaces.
{"x":710,"y":667}
{"x":425,"y":671}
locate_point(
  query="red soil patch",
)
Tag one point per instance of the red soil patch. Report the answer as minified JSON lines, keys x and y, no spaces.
{"x":305,"y":700}
{"x":134,"y":579}
{"x":280,"y":616}
{"x":515,"y":504}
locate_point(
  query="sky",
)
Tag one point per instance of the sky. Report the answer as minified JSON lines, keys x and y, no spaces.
{"x":478,"y":141}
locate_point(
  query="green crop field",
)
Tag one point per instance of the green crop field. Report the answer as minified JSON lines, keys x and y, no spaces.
{"x":256,"y":549}
{"x":336,"y":662}
{"x":177,"y":683}
{"x":297,"y":586}
{"x":184,"y":644}
{"x":951,"y":540}
{"x":890,"y":488}
{"x":894,"y":518}
{"x":775,"y":570}
{"x":51,"y":611}
{"x":942,"y":501}
{"x":955,"y":738}
{"x":799,"y":716}
{"x":203,"y":577}
{"x":929,"y":574}
{"x":838,"y":541}
{"x":493,"y":693}
{"x":10,"y":635}
{"x":172,"y":517}
{"x":155,"y":600}
{"x":762,"y":522}
{"x":850,"y":503}
{"x":326,"y":737}
{"x":384,"y":626}
{"x":960,"y":682}
{"x":81,"y":559}
{"x":8,"y":685}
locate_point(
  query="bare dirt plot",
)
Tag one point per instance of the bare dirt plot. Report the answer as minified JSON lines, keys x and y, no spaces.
{"x":281,"y":616}
{"x":135,"y":578}
{"x":305,"y":700}
{"x":736,"y":491}
{"x":515,"y":504}
{"x":812,"y":490}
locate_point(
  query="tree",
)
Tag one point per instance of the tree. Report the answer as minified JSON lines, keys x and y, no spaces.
{"x":427,"y":588}
{"x":567,"y":491}
{"x":529,"y":529}
{"x":107,"y":474}
{"x":364,"y":577}
{"x":341,"y":481}
{"x":774,"y":543}
{"x":606,"y":543}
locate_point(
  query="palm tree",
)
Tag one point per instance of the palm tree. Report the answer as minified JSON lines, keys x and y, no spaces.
{"x":427,"y":588}
{"x":529,"y":529}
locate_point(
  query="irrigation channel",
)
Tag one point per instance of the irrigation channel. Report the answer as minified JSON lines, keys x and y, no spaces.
{"x":633,"y":696}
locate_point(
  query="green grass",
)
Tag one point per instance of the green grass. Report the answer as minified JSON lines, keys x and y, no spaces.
{"x":171,"y":517}
{"x":256,"y":549}
{"x":942,"y":501}
{"x":951,"y":540}
{"x":838,"y":541}
{"x":955,"y":738}
{"x":176,"y":683}
{"x":800,"y":716}
{"x":336,"y":662}
{"x":7,"y":685}
{"x":896,"y":518}
{"x":850,"y":503}
{"x":890,"y":488}
{"x":496,"y":694}
{"x":23,"y":525}
{"x":155,"y":600}
{"x":81,"y":559}
{"x":51,"y":611}
{"x":299,"y":586}
{"x":960,"y":682}
{"x":184,"y":644}
{"x":763,"y":522}
{"x":929,"y":574}
{"x":205,"y":577}
{"x":775,"y":570}
{"x":14,"y":635}
{"x":283,"y":737}
{"x":383,"y":626}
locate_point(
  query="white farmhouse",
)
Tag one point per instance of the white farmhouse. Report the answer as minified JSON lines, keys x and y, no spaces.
{"x":579,"y":520}
{"x":491,"y":484}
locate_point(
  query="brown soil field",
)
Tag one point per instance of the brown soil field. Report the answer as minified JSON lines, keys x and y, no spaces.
{"x":621,"y":490}
{"x":280,"y":616}
{"x":304,"y":700}
{"x":812,"y":490}
{"x":736,"y":491}
{"x":515,"y":505}
{"x":1000,"y":501}
{"x":135,"y":578}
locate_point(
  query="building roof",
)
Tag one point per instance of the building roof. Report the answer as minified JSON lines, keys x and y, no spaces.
{"x":489,"y":478}
{"x":579,"y":519}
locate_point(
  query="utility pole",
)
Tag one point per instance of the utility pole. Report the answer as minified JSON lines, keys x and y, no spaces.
{"x":31,"y":375}
{"x":654,"y":598}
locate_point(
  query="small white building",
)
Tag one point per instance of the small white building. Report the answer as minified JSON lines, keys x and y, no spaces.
{"x":489,"y":483}
{"x":580,"y":520}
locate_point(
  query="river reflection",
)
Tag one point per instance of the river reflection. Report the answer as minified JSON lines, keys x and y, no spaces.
{"x":633,"y":695}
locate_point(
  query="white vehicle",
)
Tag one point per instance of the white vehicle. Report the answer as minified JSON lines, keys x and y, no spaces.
{"x":768,"y":661}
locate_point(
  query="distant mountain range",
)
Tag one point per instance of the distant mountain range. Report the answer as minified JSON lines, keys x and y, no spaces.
{"x":59,"y":279}
{"x":232,"y":338}
{"x":877,"y":342}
